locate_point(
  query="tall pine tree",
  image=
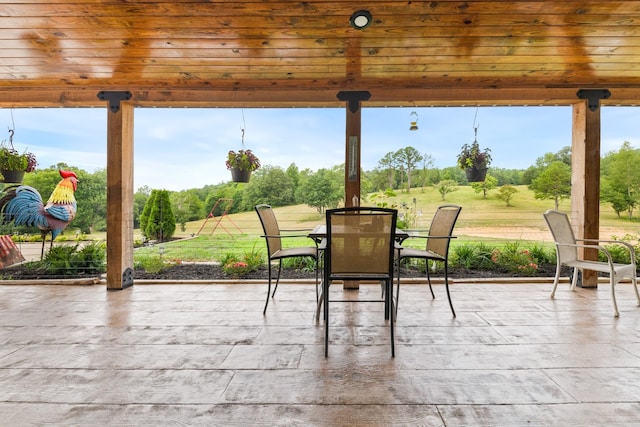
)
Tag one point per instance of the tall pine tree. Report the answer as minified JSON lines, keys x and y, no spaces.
{"x":157,"y":220}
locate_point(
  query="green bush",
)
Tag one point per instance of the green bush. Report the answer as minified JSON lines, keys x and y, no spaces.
{"x":465,"y":256}
{"x":236,"y":268}
{"x":472,"y":256}
{"x":150,"y":263}
{"x":515,"y":259}
{"x":91,"y":258}
{"x":71,"y":260}
{"x":484,"y":261}
{"x":58,"y":260}
{"x":620,"y":253}
{"x":301,"y":263}
{"x":541,"y":253}
{"x":235,"y":265}
{"x":229,"y":257}
{"x":254,"y":259}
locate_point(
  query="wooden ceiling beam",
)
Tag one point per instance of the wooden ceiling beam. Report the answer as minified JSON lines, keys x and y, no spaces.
{"x":300,"y":98}
{"x":302,"y":9}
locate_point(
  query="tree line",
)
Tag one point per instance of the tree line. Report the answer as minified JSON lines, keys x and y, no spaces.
{"x":403,"y":170}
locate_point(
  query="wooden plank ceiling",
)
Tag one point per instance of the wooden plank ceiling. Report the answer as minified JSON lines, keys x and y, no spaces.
{"x":299,"y":53}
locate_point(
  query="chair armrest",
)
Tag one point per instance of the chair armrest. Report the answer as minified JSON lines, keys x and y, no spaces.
{"x":598,"y":247}
{"x":630,"y":248}
{"x":620,"y":242}
{"x":285,"y":235}
{"x":431,"y":237}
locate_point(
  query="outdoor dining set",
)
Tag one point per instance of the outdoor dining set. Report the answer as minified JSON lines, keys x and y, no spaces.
{"x":360,"y":244}
{"x":363,"y":245}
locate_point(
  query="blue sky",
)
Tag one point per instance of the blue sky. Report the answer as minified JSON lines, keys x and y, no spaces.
{"x":183,"y":148}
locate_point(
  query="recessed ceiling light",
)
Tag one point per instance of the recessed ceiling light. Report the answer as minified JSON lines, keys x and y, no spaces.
{"x":360,"y":19}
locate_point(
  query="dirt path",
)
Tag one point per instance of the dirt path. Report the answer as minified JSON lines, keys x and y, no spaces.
{"x":526,"y":233}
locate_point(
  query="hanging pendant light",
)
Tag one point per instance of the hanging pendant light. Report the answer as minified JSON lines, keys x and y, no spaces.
{"x":413,"y":117}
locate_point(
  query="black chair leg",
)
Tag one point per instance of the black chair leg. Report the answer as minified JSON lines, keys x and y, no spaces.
{"x":319,"y":304}
{"x":394,"y":306}
{"x":391,"y":318}
{"x":446,"y":284}
{"x":317,"y":278}
{"x":426,"y":264}
{"x":268,"y":289}
{"x":325,"y":293}
{"x":319,"y":307}
{"x":278,"y":279}
{"x":387,"y":300}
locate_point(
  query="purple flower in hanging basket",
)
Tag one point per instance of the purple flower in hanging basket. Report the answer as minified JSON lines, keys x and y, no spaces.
{"x":31,"y":162}
{"x":471,"y":156}
{"x":243,"y":159}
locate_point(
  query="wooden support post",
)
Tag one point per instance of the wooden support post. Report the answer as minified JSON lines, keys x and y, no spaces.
{"x":585,"y":180}
{"x":352,"y":159}
{"x":353,"y":145}
{"x":119,"y":195}
{"x":352,"y":154}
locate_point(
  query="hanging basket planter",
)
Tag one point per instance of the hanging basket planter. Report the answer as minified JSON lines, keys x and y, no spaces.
{"x":241,"y":164}
{"x":240,"y":175}
{"x":14,"y":164}
{"x":476,"y":175}
{"x":474,"y":160}
{"x":12,"y":176}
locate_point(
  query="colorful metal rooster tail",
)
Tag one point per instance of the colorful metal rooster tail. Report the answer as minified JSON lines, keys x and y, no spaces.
{"x":23,"y":205}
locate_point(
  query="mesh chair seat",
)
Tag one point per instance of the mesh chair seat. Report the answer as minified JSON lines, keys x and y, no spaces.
{"x":421,"y":253}
{"x":308,"y":251}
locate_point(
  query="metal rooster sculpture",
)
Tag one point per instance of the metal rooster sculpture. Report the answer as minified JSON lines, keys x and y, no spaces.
{"x":23,"y":205}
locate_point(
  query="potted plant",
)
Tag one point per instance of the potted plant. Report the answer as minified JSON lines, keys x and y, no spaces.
{"x":14,"y":164}
{"x":474,"y":161}
{"x":241,"y":164}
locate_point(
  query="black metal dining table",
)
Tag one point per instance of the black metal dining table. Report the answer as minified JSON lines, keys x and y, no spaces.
{"x":319,"y":233}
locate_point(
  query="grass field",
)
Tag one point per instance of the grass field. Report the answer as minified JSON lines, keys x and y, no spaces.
{"x":487,"y":220}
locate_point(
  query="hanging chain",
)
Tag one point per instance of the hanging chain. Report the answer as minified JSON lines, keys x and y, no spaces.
{"x":243,"y":127}
{"x":12,"y":129}
{"x":475,"y":127}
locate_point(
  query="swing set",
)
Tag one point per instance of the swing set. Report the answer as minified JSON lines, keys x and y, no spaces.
{"x":226,"y":203}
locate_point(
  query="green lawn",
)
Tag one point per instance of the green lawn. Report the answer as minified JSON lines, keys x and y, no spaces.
{"x":487,"y":220}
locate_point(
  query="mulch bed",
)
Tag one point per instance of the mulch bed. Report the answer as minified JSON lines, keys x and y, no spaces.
{"x":214,"y":272}
{"x":188,"y":271}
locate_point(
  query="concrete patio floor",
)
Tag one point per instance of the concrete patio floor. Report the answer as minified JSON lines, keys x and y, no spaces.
{"x":203,"y":354}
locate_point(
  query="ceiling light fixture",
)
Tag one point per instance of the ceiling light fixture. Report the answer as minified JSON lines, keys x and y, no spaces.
{"x":360,"y":19}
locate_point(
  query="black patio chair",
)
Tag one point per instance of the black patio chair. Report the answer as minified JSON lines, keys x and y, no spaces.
{"x":275,"y":250}
{"x":360,"y":245}
{"x":437,"y":239}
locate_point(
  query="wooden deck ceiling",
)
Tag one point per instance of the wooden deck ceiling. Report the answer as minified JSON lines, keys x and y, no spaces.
{"x":301,"y":53}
